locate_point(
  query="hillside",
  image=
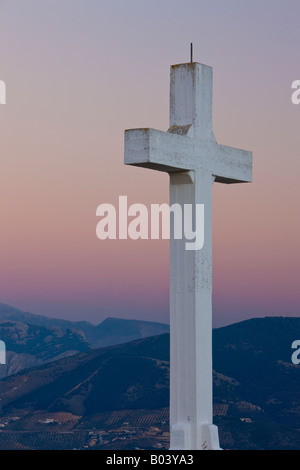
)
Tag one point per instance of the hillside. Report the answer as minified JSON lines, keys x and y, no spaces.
{"x":256,"y":389}
{"x":117,"y":331}
{"x":30,"y":345}
{"x":117,"y":377}
{"x":7,"y":312}
{"x":34,"y":339}
{"x":110,"y":331}
{"x":257,"y":353}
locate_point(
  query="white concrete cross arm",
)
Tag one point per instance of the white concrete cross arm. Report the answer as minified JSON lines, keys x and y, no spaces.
{"x":189,"y":144}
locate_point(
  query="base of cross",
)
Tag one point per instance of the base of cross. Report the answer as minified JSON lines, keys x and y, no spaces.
{"x":208,"y":437}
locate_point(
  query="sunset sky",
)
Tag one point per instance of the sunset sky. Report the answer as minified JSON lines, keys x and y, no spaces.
{"x":80,"y":72}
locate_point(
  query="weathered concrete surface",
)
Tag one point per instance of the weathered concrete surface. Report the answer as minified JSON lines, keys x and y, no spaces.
{"x":190,"y":154}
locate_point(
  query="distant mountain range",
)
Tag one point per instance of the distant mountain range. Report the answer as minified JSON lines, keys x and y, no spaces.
{"x":30,"y":345}
{"x":35,"y":339}
{"x":256,"y":392}
{"x":110,"y":331}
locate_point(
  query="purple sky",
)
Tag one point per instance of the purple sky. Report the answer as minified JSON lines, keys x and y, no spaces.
{"x":79,"y":72}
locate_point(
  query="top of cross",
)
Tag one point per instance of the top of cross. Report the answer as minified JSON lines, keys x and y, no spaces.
{"x":190,"y":143}
{"x":191,"y":88}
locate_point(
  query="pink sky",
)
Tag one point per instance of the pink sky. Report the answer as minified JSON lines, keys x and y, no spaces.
{"x":80,"y":72}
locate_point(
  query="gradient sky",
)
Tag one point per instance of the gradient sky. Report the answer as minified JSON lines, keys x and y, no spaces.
{"x":79,"y":72}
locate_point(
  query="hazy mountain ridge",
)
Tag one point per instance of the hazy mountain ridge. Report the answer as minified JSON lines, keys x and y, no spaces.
{"x":7,"y":312}
{"x":108,"y":332}
{"x":34,"y":339}
{"x":116,"y":331}
{"x":29,"y":345}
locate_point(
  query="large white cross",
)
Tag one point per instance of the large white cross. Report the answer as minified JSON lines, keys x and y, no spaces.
{"x":190,"y":154}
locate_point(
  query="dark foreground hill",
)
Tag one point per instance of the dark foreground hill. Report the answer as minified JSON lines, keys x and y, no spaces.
{"x":120,"y":394}
{"x":134,"y":375}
